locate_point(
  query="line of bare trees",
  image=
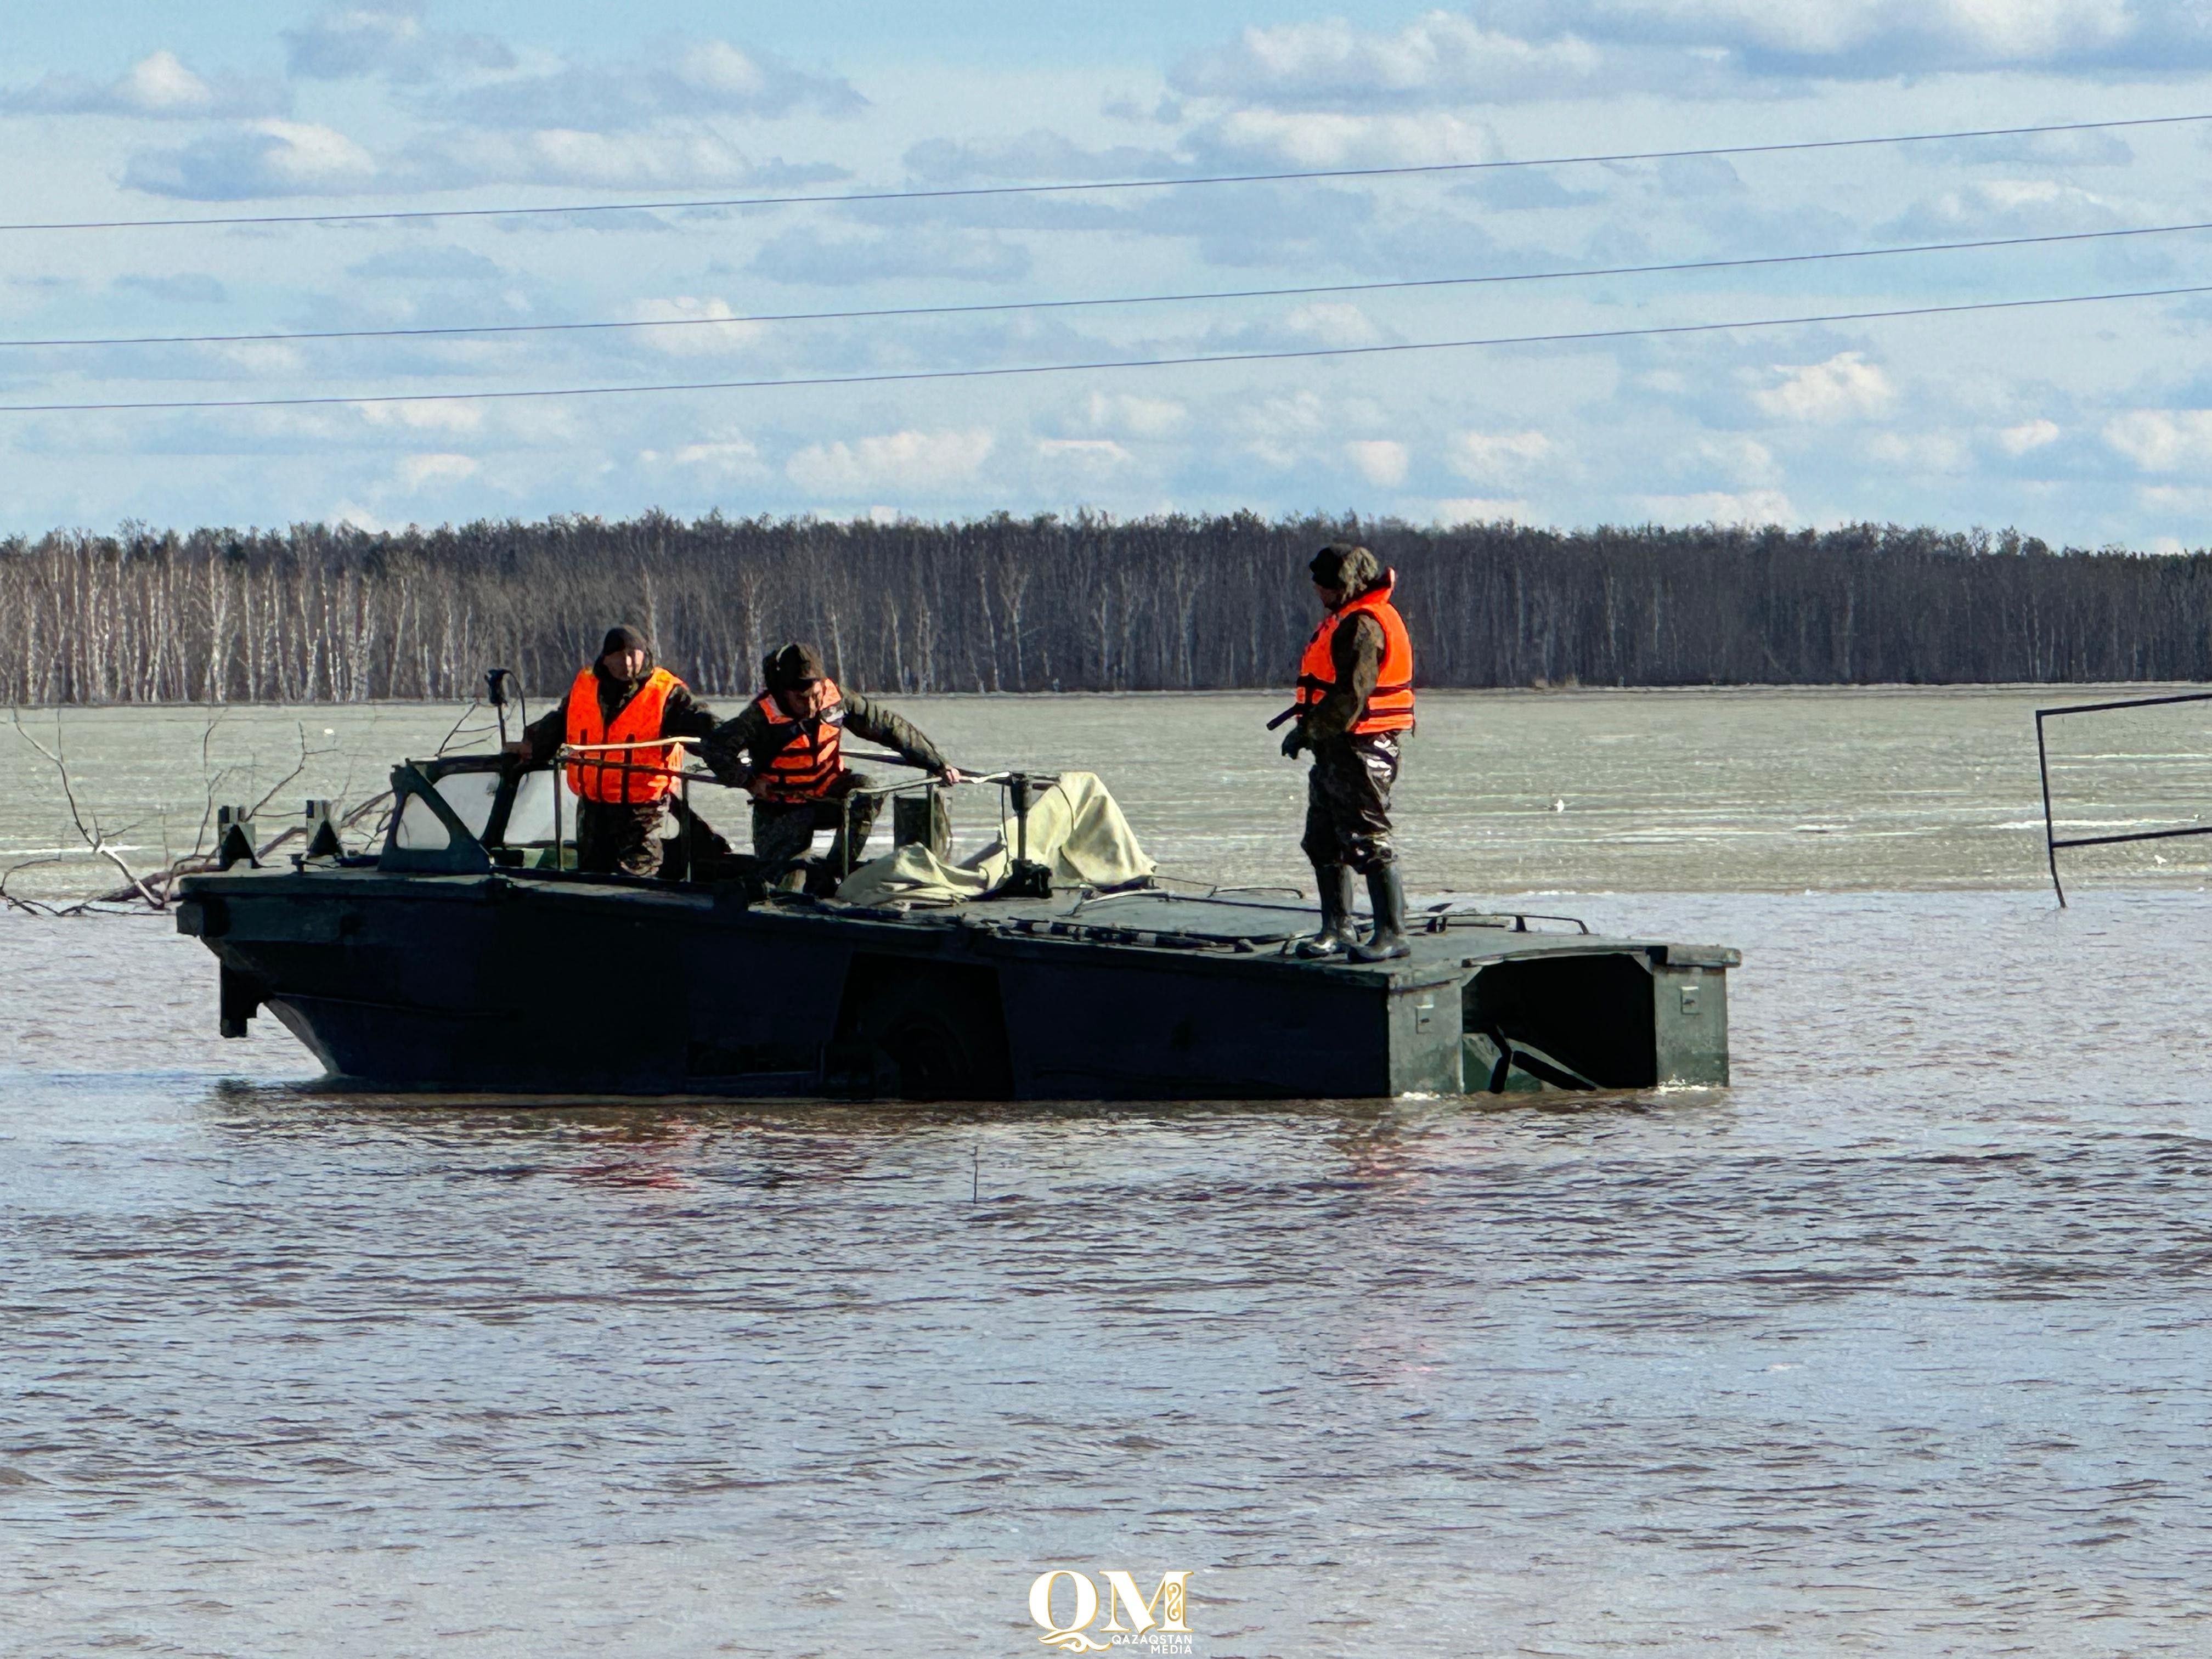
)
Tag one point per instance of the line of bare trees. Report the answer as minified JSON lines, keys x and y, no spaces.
{"x":317,"y":613}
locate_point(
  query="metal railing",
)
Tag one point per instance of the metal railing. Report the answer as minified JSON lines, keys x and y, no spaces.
{"x":1019,"y":791}
{"x":574,"y":752}
{"x":2052,"y":841}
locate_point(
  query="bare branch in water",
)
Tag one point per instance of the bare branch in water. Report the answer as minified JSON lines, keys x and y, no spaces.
{"x":93,"y":835}
{"x":284,"y":782}
{"x":156,"y":888}
{"x":474,"y":705}
{"x":30,"y":907}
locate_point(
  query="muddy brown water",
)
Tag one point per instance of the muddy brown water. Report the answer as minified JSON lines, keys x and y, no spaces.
{"x":1897,"y":1347}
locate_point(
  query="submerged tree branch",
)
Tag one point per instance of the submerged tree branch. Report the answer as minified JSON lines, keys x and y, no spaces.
{"x":154,"y":889}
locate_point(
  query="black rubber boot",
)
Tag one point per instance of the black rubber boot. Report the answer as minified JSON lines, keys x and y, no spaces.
{"x":1386,"y":891}
{"x":1337,"y":934}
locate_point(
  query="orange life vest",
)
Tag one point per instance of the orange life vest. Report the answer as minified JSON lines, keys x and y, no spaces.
{"x":1390,"y":705}
{"x":811,"y":758}
{"x":638,"y":721}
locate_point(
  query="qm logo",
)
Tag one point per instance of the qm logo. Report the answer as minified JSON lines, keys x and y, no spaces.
{"x":1156,"y":1624}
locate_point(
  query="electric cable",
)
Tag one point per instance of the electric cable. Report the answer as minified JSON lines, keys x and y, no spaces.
{"x":950,"y":193}
{"x":985,"y":307}
{"x":1008,"y":371}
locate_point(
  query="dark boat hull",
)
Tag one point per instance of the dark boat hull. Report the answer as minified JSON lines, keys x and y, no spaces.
{"x":543,"y":984}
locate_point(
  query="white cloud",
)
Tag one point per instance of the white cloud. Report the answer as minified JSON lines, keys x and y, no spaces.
{"x":427,"y":416}
{"x":268,"y":158}
{"x":1092,"y":454}
{"x":1497,"y":457}
{"x":1480,"y":509}
{"x":1753,"y":506}
{"x":1333,"y":324}
{"x":260,"y":356}
{"x":2030,"y":434}
{"x":454,"y":159}
{"x":680,"y":81}
{"x":1920,"y":451}
{"x":1539,"y":49}
{"x":1039,"y":153}
{"x":1280,"y":428}
{"x":2193,"y":499}
{"x":905,"y":460}
{"x":2010,"y":30}
{"x":1380,"y":461}
{"x":1442,"y":56}
{"x":1314,"y":139}
{"x":286,"y":158}
{"x":361,"y":518}
{"x":158,"y":86}
{"x":365,"y":38}
{"x":734,"y":456}
{"x":1140,"y":417}
{"x":1843,"y":387}
{"x":703,"y":326}
{"x":2162,"y":440}
{"x":2026,"y":207}
{"x":417,"y":473}
{"x":717,"y":68}
{"x":1745,"y":461}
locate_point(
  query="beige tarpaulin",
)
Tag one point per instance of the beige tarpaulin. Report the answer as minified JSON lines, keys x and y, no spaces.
{"x":1076,"y":831}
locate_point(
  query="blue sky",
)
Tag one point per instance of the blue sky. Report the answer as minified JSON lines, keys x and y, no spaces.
{"x":2088,"y":425}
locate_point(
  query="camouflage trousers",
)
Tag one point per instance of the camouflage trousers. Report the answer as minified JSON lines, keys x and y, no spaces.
{"x":783,"y":831}
{"x":619,"y":835}
{"x":1348,"y":802}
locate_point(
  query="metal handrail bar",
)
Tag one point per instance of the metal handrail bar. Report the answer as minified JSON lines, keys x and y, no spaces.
{"x":2139,"y":834}
{"x":568,"y":752}
{"x":2125,"y":703}
{"x":2052,"y":841}
{"x":1166,"y":898}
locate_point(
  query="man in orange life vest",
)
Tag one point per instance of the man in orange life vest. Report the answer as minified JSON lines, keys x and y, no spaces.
{"x":1355,"y":707}
{"x":620,"y":698}
{"x":785,"y":750}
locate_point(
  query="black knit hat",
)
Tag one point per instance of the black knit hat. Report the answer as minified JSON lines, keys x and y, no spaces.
{"x":790,"y":667}
{"x":622,"y":637}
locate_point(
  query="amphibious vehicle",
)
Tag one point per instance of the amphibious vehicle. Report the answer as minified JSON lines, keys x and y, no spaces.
{"x":460,"y":956}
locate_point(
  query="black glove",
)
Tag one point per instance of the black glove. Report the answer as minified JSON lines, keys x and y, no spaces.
{"x":1294,"y":740}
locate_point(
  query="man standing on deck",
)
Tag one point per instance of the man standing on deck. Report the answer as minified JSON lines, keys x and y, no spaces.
{"x":623,"y":697}
{"x":784,"y":750}
{"x":1355,"y":707}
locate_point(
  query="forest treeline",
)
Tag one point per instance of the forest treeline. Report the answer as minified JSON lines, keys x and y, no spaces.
{"x":319,"y":613}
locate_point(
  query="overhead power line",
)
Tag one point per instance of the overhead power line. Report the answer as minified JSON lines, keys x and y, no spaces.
{"x":897,"y":377}
{"x":476,"y":330}
{"x":834,"y":198}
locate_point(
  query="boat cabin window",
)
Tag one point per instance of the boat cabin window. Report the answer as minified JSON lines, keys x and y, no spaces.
{"x":529,"y":823}
{"x":470,"y":794}
{"x":420,"y":829}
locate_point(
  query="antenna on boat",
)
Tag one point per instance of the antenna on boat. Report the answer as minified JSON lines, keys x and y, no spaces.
{"x":496,"y":681}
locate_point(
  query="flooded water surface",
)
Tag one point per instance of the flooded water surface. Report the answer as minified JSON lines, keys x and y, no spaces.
{"x":1897,"y":1347}
{"x":1513,"y":792}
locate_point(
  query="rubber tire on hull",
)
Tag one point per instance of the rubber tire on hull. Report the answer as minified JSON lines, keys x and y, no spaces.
{"x":921,"y":1030}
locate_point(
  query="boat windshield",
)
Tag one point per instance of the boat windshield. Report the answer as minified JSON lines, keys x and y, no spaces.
{"x":530,"y":821}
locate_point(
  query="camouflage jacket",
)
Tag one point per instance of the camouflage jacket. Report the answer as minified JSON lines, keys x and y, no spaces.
{"x":740,"y":748}
{"x":1356,"y":648}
